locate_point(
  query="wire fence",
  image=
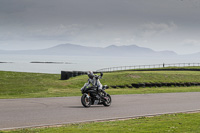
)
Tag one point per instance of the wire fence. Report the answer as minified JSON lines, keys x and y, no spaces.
{"x":119,"y":68}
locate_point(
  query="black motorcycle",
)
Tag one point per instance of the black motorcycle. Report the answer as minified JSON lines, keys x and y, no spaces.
{"x":93,"y":96}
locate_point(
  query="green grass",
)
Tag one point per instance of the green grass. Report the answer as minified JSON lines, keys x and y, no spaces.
{"x":180,"y":123}
{"x":128,"y":77}
{"x":152,"y":90}
{"x":27,"y":85}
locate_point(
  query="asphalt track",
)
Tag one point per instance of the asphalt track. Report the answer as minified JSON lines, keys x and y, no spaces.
{"x":34,"y":112}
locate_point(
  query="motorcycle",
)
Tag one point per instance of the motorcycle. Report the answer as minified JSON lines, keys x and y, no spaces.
{"x":93,"y":96}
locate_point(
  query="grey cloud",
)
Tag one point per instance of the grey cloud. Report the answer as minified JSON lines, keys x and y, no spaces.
{"x":109,"y":12}
{"x":189,"y":46}
{"x":152,"y":29}
{"x":14,"y":6}
{"x":101,"y":22}
{"x":191,"y":42}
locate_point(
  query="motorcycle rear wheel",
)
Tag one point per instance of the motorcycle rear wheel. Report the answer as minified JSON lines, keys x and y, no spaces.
{"x":86,"y":102}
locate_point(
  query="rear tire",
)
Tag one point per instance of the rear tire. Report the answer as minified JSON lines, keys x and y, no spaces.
{"x":86,"y":102}
{"x":108,"y":101}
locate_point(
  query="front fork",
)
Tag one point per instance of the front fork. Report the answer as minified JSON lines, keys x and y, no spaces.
{"x":103,"y":97}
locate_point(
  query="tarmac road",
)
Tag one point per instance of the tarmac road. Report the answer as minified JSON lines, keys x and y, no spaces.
{"x":33,"y":112}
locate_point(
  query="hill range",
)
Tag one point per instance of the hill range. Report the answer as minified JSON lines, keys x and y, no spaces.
{"x":112,"y":50}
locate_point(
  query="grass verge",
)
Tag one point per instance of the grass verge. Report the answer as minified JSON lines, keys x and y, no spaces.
{"x":28,"y":85}
{"x":158,"y":124}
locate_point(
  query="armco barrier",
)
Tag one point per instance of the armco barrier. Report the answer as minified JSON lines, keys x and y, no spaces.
{"x":68,"y":74}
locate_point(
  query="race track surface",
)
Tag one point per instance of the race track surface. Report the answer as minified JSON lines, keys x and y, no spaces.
{"x":33,"y":112}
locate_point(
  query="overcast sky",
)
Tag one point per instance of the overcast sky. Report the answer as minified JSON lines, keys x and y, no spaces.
{"x":157,"y":24}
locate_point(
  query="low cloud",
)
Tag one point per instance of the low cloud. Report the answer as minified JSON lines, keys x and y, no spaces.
{"x":152,"y":29}
{"x":191,"y":43}
{"x":55,"y":32}
{"x":189,"y":46}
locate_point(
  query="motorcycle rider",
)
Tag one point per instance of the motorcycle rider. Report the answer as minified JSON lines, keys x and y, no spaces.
{"x":93,"y":80}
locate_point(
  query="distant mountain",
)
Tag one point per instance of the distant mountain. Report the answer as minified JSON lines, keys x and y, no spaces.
{"x":78,"y":50}
{"x":72,"y":49}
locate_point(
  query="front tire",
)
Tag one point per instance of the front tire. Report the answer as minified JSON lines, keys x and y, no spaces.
{"x":86,"y":102}
{"x":108,"y":100}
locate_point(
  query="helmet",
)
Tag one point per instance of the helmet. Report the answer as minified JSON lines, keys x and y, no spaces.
{"x":90,"y":74}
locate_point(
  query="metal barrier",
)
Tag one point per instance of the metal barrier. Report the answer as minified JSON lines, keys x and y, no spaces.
{"x":68,"y":74}
{"x":111,"y":69}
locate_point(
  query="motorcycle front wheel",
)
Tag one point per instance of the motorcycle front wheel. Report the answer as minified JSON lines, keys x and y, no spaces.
{"x":108,"y":100}
{"x":86,"y":101}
